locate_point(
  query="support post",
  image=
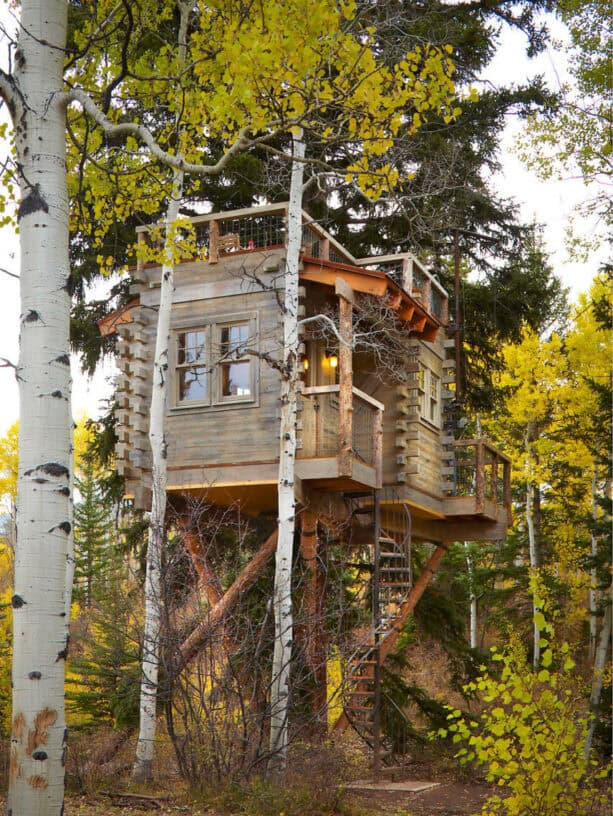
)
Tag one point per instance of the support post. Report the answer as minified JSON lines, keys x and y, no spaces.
{"x":345,"y":365}
{"x":458,"y":336}
{"x":376,"y":765}
{"x":479,"y":477}
{"x":313,"y":602}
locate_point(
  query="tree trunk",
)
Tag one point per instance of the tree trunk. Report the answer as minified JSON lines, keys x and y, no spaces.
{"x":43,"y":557}
{"x":599,"y":667}
{"x":593,"y":594}
{"x":143,"y":764}
{"x":474,"y":638}
{"x":532,"y":545}
{"x":282,"y":599}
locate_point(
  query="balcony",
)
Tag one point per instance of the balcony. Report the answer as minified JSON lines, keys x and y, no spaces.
{"x":323,"y":457}
{"x":481,"y":482}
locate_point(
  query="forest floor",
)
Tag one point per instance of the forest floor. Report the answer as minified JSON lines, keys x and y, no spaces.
{"x":447,"y":799}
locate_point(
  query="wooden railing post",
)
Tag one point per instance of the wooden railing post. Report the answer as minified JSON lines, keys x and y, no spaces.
{"x":345,"y":378}
{"x":214,"y":242}
{"x":506,"y":487}
{"x":480,"y":476}
{"x":494,"y":478}
{"x":378,"y":448}
{"x":140,"y":240}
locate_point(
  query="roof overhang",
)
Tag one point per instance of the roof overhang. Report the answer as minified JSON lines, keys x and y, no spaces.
{"x":374,"y":282}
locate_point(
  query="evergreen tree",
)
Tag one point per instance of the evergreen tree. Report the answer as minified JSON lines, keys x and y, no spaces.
{"x":93,"y":536}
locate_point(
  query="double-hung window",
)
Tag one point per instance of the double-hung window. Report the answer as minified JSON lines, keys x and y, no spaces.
{"x":235,"y":381}
{"x":193,"y":373}
{"x":215,"y":364}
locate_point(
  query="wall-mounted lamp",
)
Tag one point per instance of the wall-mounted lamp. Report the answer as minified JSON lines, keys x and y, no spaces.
{"x":332,"y":359}
{"x":305,"y":362}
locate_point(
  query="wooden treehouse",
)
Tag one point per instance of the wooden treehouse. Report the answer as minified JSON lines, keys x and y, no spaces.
{"x":377,"y":459}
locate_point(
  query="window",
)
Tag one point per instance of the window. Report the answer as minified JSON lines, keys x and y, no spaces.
{"x":235,"y":366}
{"x":192,"y":371}
{"x":213,"y":364}
{"x":429,"y":389}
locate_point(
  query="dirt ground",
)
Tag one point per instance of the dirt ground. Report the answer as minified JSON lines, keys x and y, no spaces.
{"x":448,"y":799}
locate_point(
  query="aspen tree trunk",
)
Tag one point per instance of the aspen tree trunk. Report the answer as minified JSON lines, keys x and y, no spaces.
{"x":600,"y":663}
{"x":473,"y":599}
{"x":593,"y":594}
{"x":143,"y":763}
{"x":41,"y":599}
{"x":533,"y":565}
{"x":282,"y":599}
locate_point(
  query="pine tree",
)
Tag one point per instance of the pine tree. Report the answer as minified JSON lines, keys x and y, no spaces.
{"x":93,"y":536}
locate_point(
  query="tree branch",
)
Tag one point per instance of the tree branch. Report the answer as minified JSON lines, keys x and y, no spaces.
{"x":144,"y":135}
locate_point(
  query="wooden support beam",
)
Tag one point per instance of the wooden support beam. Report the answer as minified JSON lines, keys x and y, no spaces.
{"x":314,"y":618}
{"x":345,"y":396}
{"x":192,"y":645}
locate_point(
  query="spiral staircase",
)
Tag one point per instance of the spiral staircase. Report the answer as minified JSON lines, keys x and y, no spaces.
{"x":392,"y":580}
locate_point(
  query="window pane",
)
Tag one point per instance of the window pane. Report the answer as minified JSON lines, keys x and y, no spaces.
{"x":192,"y":384}
{"x":236,"y":379}
{"x":234,"y":339}
{"x":191,"y":347}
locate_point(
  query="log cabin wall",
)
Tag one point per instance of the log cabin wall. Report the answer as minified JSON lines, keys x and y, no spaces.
{"x":216,"y":430}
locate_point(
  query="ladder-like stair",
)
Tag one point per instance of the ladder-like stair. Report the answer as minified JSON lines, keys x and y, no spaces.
{"x":391,"y":584}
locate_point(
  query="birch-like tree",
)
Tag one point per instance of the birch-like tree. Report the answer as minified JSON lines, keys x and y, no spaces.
{"x":101,"y":89}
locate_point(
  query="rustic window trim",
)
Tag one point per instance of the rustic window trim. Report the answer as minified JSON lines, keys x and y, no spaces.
{"x":212,"y":327}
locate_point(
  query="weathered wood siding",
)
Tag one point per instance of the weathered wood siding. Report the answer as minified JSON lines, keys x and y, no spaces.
{"x":241,"y":287}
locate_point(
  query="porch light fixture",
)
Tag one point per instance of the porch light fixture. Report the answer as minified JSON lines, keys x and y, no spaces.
{"x":332,"y":359}
{"x":305,"y":362}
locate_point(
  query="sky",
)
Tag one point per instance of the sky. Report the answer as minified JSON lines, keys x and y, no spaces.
{"x":550,"y":203}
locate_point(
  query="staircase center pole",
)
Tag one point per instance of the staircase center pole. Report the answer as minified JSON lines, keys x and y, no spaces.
{"x":377,"y":624}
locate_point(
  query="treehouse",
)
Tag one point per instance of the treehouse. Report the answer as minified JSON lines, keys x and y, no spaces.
{"x":377,"y":451}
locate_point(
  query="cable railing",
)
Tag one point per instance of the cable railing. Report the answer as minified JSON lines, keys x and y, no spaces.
{"x":481,"y":471}
{"x":321,"y":424}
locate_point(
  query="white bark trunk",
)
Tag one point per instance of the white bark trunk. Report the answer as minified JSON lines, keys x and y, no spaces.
{"x":598,"y":676}
{"x":474,"y":637}
{"x":143,"y":763}
{"x":533,"y":564}
{"x":532,"y":546}
{"x":593,"y":594}
{"x":282,"y":603}
{"x":41,"y":601}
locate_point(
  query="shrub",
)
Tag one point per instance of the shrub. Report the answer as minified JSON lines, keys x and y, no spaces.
{"x":530,"y":735}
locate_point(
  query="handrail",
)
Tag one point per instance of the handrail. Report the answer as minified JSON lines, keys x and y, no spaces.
{"x":471,"y":443}
{"x":334,"y":389}
{"x":367,"y":398}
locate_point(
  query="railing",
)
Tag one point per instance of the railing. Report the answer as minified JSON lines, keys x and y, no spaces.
{"x":254,"y":229}
{"x":481,"y":471}
{"x":320,"y":424}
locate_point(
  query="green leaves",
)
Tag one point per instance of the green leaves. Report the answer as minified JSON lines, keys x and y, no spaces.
{"x":534,"y":747}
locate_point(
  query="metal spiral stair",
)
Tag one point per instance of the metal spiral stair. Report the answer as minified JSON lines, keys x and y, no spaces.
{"x":391,"y":583}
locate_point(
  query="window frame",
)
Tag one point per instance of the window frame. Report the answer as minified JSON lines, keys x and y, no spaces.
{"x":217,"y":346}
{"x":429,"y":399}
{"x":212,"y":328}
{"x":206,"y":365}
